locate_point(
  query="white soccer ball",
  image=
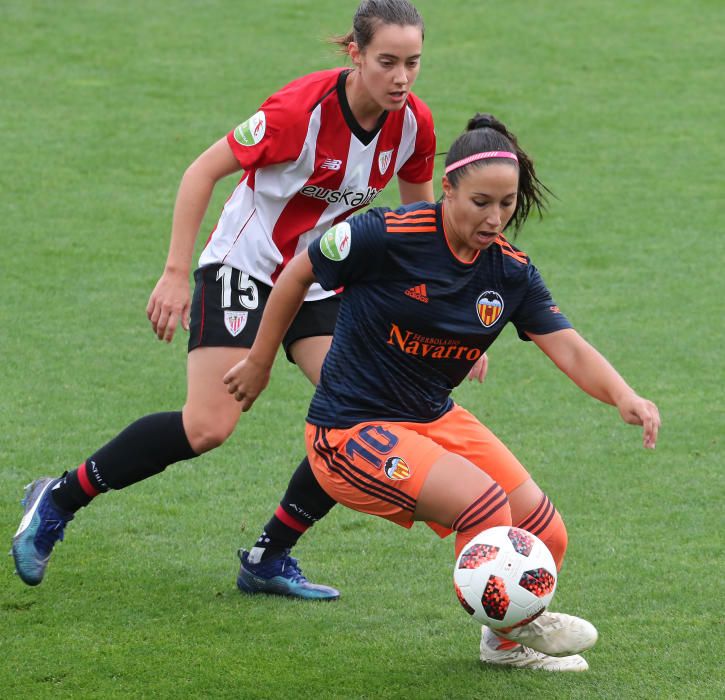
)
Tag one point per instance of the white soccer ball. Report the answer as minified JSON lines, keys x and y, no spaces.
{"x":505,"y":577}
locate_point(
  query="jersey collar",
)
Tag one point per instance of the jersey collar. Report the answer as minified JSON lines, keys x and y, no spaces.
{"x":365,"y":137}
{"x":448,"y":243}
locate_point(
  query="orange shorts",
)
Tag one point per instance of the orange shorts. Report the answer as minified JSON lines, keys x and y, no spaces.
{"x":380,"y":467}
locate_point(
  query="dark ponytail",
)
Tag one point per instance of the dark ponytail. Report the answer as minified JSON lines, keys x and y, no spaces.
{"x":486,"y":133}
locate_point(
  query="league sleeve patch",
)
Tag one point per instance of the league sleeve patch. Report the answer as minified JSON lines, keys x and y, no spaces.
{"x":335,"y":243}
{"x":251,"y":132}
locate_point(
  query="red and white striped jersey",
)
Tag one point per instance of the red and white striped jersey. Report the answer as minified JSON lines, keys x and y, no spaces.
{"x":308,"y":165}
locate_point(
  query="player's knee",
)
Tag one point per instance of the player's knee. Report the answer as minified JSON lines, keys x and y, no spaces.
{"x":205,"y":435}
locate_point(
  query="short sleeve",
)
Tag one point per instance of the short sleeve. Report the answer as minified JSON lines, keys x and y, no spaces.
{"x":538,"y":313}
{"x":274,"y":134}
{"x":351,"y":251}
{"x":277,"y":132}
{"x":419,"y":167}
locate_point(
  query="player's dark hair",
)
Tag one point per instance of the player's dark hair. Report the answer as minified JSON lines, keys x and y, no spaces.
{"x":486,"y":133}
{"x":371,"y":14}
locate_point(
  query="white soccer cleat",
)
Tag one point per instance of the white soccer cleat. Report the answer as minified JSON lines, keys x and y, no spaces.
{"x":523,"y":657}
{"x":555,"y":634}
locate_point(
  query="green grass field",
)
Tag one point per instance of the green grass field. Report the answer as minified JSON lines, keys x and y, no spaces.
{"x":104,"y":104}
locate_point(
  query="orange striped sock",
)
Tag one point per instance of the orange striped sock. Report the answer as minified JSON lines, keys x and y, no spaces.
{"x":546,"y":523}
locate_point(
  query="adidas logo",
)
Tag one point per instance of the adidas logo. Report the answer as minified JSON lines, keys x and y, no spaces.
{"x":418,"y":292}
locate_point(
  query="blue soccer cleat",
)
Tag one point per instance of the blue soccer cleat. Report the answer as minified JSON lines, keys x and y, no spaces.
{"x":41,"y":527}
{"x":280,"y":576}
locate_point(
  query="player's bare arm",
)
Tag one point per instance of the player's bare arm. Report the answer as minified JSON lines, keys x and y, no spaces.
{"x":170,"y":300}
{"x":411,"y":192}
{"x":591,"y":372}
{"x":248,"y":378}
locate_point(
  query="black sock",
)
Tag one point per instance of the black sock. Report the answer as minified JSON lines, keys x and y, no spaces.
{"x":304,"y":503}
{"x":69,"y":494}
{"x":143,"y":449}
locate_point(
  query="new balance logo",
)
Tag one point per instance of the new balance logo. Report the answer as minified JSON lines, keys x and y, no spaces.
{"x":332,"y":164}
{"x":418,"y":292}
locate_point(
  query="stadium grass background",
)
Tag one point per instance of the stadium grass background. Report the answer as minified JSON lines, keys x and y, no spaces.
{"x":104,"y":105}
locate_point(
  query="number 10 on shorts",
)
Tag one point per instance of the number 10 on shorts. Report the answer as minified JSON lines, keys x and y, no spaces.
{"x":373,"y":443}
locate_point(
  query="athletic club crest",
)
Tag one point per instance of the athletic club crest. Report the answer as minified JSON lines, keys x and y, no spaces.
{"x":489,"y":307}
{"x":396,"y":469}
{"x":235,"y":321}
{"x":384,"y":160}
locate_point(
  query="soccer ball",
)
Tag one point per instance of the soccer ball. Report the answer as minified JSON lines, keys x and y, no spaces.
{"x":505,"y":577}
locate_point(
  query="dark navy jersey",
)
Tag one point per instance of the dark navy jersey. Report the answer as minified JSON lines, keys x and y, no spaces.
{"x":415,"y":318}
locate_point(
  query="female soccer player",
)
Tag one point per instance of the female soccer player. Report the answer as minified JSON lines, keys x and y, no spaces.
{"x":428,"y":288}
{"x":317,"y":150}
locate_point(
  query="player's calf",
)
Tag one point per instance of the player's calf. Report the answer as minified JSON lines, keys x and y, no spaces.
{"x":490,"y":509}
{"x":546,"y":523}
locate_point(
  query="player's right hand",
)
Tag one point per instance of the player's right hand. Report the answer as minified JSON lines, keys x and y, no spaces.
{"x":636,"y":410}
{"x":169,"y":304}
{"x":246,"y":381}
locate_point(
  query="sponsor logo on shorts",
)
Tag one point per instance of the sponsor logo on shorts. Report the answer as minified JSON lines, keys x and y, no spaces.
{"x":384,"y":160}
{"x":489,"y":307}
{"x":251,"y":132}
{"x":335,"y":243}
{"x":396,"y":469}
{"x":235,"y":321}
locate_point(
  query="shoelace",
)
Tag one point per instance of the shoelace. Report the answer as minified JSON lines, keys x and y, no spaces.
{"x":525,"y":653}
{"x":52,"y":527}
{"x":49,"y":533}
{"x":292,"y":570}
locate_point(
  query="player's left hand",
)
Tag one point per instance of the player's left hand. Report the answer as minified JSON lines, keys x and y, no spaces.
{"x":479,"y":370}
{"x":246,"y":381}
{"x":638,"y":411}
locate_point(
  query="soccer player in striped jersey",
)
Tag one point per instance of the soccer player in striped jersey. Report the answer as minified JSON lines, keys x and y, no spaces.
{"x":317,"y":150}
{"x":428,"y":288}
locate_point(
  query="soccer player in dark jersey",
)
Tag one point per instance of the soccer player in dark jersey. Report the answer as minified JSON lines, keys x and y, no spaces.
{"x":428,"y":288}
{"x":317,"y":150}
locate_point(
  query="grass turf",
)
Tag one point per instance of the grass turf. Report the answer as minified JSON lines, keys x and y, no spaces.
{"x":103,"y":106}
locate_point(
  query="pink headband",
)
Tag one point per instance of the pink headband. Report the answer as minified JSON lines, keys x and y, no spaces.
{"x":480,"y":156}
